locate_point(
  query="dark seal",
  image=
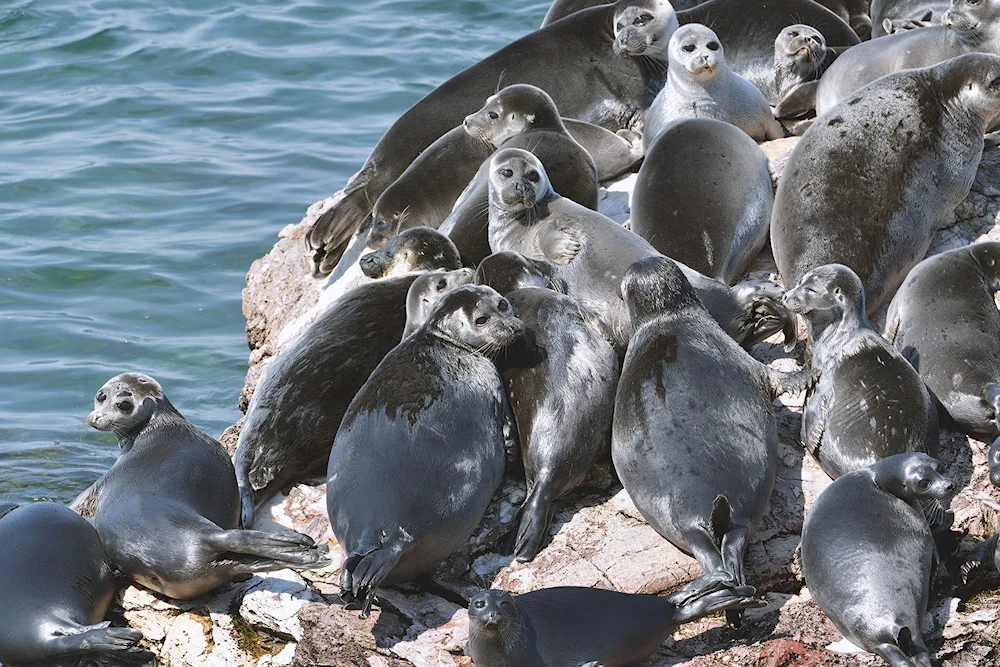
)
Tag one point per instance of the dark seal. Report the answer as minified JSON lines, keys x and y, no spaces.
{"x":415,"y":249}
{"x":560,"y":382}
{"x":870,"y":183}
{"x":168,"y":508}
{"x":869,"y":403}
{"x":866,"y":554}
{"x":55,"y":590}
{"x":434,"y":413}
{"x":945,"y":322}
{"x":584,"y":627}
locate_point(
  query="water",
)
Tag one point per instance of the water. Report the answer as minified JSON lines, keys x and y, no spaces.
{"x":149,"y":152}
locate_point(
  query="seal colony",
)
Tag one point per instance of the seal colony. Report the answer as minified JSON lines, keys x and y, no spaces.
{"x":505,"y":329}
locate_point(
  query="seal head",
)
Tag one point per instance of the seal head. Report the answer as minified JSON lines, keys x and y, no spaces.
{"x":427,"y":290}
{"x":643,"y":28}
{"x":913,"y":476}
{"x":698,"y":50}
{"x":125,"y":404}
{"x":506,"y":114}
{"x":475,"y":317}
{"x":507,"y":270}
{"x":517,"y":180}
{"x":415,"y":249}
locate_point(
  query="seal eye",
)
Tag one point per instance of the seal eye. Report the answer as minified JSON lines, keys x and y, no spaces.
{"x":493,"y":115}
{"x":482,"y":320}
{"x":125,"y":406}
{"x":505,"y":605}
{"x":688,"y":48}
{"x":506,"y":173}
{"x":924,"y":484}
{"x":503,"y":306}
{"x":795,"y":34}
{"x":441,"y":285}
{"x":101,"y":396}
{"x":995,"y":83}
{"x":532,"y":176}
{"x":642,"y":20}
{"x":479,"y":604}
{"x":972,"y":2}
{"x":713,"y":46}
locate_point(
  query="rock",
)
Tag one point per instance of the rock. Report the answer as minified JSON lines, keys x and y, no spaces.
{"x":597,"y":539}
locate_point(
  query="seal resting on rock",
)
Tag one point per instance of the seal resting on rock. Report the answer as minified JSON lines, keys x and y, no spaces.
{"x":573,"y":626}
{"x":944,"y":320}
{"x":55,"y":590}
{"x":866,"y":554}
{"x":167,"y":510}
{"x":421,"y":448}
{"x":869,"y":403}
{"x":870,"y":183}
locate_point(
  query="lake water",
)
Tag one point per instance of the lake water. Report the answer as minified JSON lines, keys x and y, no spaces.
{"x":149,"y":152}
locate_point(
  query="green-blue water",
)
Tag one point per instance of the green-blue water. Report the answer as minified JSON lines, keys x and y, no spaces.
{"x":149,"y":152}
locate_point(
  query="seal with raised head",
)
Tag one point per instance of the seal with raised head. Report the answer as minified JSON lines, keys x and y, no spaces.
{"x":167,"y":510}
{"x":800,"y":58}
{"x":55,"y":590}
{"x":420,"y":451}
{"x":703,"y":197}
{"x":572,"y":626}
{"x":867,"y":550}
{"x":869,"y":403}
{"x":560,"y":382}
{"x":593,"y":253}
{"x":944,"y":320}
{"x":968,"y":27}
{"x":415,"y":249}
{"x":296,"y":409}
{"x":701,"y":478}
{"x":870,"y":184}
{"x":701,"y":85}
{"x":604,"y":66}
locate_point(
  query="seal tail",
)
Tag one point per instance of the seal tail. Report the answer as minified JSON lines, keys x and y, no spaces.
{"x":362,"y":574}
{"x":332,"y":231}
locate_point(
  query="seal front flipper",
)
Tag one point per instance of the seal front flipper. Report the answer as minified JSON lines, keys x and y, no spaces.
{"x":798,"y":103}
{"x":85,"y":504}
{"x":986,"y":552}
{"x":994,"y":460}
{"x":560,"y":245}
{"x":814,"y":426}
{"x":792,"y":382}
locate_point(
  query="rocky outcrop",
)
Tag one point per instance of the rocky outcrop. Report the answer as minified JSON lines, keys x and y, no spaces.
{"x":598,"y":537}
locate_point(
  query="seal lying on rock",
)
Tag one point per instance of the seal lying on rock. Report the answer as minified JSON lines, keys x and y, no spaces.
{"x":167,"y":509}
{"x":945,"y":322}
{"x":870,"y":183}
{"x":574,"y":626}
{"x":560,"y":382}
{"x":866,"y":555}
{"x":55,"y":590}
{"x":421,"y":448}
{"x":701,"y":478}
{"x":593,"y":252}
{"x":869,"y":403}
{"x":415,"y":249}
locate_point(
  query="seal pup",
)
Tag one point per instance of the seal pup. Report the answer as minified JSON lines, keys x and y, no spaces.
{"x":701,"y":85}
{"x":870,"y":184}
{"x":303,"y":394}
{"x":167,"y":509}
{"x":945,"y":322}
{"x":701,"y":478}
{"x":593,"y":253}
{"x":415,"y":249}
{"x":703,"y":197}
{"x":55,"y":590}
{"x":420,"y":451}
{"x":604,"y":66}
{"x":570,"y":626}
{"x":560,"y":383}
{"x":869,"y":403}
{"x":866,"y":554}
{"x":967,"y":28}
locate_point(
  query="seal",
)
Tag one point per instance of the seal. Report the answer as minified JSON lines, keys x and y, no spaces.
{"x":914,"y":139}
{"x":869,"y":403}
{"x":604,"y":66}
{"x":703,"y":197}
{"x":701,"y":478}
{"x":614,"y":153}
{"x":433,"y":411}
{"x":800,"y":58}
{"x":303,"y":394}
{"x":943,"y":320}
{"x":856,"y":536}
{"x":593,"y":252}
{"x":414,"y":249}
{"x":701,"y":85}
{"x":561,"y":389}
{"x":888,"y":15}
{"x":167,"y":509}
{"x":573,"y":625}
{"x":55,"y":590}
{"x":968,"y":27}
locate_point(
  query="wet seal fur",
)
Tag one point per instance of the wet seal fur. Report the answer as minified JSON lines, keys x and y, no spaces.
{"x":867,"y":551}
{"x":701,"y":85}
{"x":593,"y":253}
{"x":703,"y":197}
{"x":167,"y":510}
{"x":869,"y":403}
{"x":701,"y":478}
{"x":944,"y":320}
{"x":560,"y":382}
{"x":870,"y":183}
{"x":430,"y":421}
{"x":584,"y":627}
{"x":55,"y":590}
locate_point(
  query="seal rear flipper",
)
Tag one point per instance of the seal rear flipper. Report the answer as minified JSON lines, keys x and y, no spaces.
{"x":332,"y":231}
{"x":736,"y":598}
{"x":363,"y":574}
{"x":95,"y":640}
{"x":536,"y":515}
{"x":273,"y":551}
{"x":905,"y":649}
